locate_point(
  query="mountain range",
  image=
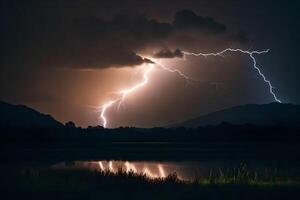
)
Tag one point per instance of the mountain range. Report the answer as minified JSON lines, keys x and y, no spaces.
{"x":262,"y":115}
{"x":22,"y":116}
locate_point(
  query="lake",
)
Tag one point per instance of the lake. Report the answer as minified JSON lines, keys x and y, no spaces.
{"x":187,"y":170}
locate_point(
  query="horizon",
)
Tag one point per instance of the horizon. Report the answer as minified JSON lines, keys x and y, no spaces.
{"x":172,"y":125}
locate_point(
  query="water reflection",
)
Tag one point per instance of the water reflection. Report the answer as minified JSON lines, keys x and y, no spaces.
{"x":150,"y":169}
{"x":183,"y":170}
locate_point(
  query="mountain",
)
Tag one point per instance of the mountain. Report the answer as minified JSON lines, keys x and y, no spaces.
{"x":266,"y":114}
{"x":22,"y":116}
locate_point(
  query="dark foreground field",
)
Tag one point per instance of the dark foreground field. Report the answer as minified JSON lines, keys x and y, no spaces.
{"x":224,"y":143}
{"x":83,"y":184}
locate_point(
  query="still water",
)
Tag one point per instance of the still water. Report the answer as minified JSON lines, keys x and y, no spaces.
{"x":185,"y":170}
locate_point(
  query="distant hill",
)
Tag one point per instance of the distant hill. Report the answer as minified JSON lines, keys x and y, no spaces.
{"x":22,"y":116}
{"x":267,"y":114}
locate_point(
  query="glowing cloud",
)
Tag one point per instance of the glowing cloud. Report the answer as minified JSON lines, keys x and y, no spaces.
{"x":152,"y":64}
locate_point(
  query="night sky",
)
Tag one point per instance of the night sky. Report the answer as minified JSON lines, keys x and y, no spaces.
{"x":66,"y":58}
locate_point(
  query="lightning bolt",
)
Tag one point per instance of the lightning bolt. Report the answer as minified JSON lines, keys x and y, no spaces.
{"x":251,"y":55}
{"x":122,"y":94}
{"x":103,"y":111}
{"x":126,"y":92}
{"x":172,"y":70}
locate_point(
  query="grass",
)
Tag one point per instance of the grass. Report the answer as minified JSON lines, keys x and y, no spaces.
{"x":242,"y":176}
{"x":85,"y":184}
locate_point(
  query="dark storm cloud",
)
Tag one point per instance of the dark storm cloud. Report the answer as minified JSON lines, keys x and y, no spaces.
{"x":83,"y":42}
{"x":146,"y":60}
{"x":239,"y":36}
{"x":187,"y":19}
{"x":167,"y":53}
{"x":36,"y":34}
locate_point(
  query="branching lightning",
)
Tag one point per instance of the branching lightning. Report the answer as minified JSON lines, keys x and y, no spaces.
{"x":103,"y":111}
{"x":172,"y":70}
{"x":251,"y":54}
{"x":122,"y":94}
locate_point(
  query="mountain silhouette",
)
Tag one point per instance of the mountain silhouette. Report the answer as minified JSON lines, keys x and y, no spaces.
{"x":263,"y":115}
{"x":22,"y":116}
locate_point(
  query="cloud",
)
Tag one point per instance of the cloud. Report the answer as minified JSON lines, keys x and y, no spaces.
{"x":167,"y":53}
{"x":88,"y":42}
{"x":239,"y":36}
{"x":187,"y":19}
{"x":39,"y":37}
{"x":147,"y":60}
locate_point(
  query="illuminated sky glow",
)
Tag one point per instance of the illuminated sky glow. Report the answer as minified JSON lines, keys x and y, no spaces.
{"x":73,"y":60}
{"x":122,"y":94}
